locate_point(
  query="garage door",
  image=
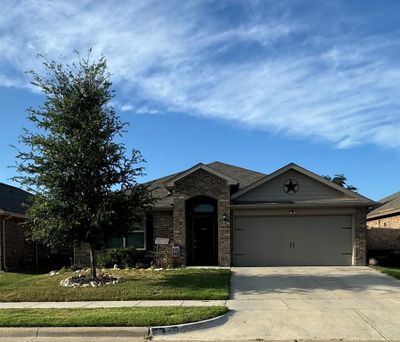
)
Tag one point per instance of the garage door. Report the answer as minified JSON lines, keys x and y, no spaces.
{"x":287,"y":241}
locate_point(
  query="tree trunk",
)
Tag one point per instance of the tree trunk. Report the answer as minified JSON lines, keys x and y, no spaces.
{"x":93,"y":262}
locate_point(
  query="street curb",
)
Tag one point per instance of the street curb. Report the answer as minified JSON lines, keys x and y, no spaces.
{"x":179,"y":328}
{"x":75,"y":332}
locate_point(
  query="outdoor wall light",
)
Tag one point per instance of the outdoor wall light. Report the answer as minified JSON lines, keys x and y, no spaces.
{"x":224,"y":217}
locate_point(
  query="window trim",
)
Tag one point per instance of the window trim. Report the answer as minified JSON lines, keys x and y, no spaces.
{"x":143,"y":230}
{"x":144,"y":238}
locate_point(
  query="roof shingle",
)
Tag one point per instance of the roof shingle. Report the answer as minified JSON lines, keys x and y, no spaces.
{"x":389,"y":205}
{"x":12,"y":199}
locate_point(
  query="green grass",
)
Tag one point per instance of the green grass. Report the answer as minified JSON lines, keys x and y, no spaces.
{"x":110,"y":317}
{"x":392,"y":271}
{"x":136,"y":285}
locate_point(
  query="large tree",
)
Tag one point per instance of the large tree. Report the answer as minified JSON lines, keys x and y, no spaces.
{"x":340,"y":179}
{"x":84,"y":183}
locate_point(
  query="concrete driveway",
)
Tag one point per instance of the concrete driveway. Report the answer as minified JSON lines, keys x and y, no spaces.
{"x":318,"y":303}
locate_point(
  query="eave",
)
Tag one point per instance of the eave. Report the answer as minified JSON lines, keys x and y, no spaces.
{"x":10,"y":213}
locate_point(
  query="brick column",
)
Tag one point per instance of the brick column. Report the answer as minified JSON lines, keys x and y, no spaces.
{"x":203,"y":183}
{"x":360,"y":237}
{"x":163,"y":228}
{"x":224,"y":233}
{"x":179,"y":218}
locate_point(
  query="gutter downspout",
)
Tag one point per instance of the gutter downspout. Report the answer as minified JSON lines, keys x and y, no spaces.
{"x":4,"y":241}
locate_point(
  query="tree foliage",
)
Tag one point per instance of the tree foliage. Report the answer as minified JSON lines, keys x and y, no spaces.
{"x":340,"y":179}
{"x":85,"y":186}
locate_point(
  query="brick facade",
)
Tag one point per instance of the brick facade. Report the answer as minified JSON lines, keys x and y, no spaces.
{"x":18,"y":251}
{"x":385,"y":222}
{"x":383,"y":239}
{"x":163,"y":228}
{"x":360,"y":237}
{"x":383,"y":234}
{"x":202,"y":183}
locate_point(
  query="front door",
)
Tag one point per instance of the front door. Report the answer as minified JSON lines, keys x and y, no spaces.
{"x":204,"y":240}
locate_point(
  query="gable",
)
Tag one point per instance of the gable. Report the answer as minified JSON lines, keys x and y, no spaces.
{"x":274,"y":190}
{"x":161,"y":190}
{"x":311,"y":189}
{"x":200,"y":181}
{"x":200,"y":166}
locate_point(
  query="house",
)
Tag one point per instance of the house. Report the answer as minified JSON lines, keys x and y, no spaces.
{"x":219,"y":214}
{"x":15,"y":250}
{"x":384,"y":225}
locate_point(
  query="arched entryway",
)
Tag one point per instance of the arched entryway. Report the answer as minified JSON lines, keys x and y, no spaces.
{"x":202,"y":231}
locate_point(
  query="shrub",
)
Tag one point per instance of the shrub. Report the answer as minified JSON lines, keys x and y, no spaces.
{"x":123,"y":257}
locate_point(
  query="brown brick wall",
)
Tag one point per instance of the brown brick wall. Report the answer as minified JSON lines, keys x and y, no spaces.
{"x":383,"y":234}
{"x":360,"y":237}
{"x":385,"y":222}
{"x":202,"y":183}
{"x":383,"y":239}
{"x":19,"y":252}
{"x":163,"y":228}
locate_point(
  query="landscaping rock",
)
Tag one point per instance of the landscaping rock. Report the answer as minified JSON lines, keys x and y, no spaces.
{"x":82,"y":280}
{"x":373,"y":262}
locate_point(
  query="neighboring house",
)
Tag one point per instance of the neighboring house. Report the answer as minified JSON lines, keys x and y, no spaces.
{"x":384,"y":225}
{"x":15,"y":250}
{"x":219,"y":214}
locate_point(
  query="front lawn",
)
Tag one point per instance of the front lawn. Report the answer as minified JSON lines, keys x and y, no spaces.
{"x":110,"y":317}
{"x":392,"y":271}
{"x":182,"y":284}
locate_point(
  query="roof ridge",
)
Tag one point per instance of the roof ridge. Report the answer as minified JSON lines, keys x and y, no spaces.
{"x":391,"y":197}
{"x":221,"y":172}
{"x":235,"y":166}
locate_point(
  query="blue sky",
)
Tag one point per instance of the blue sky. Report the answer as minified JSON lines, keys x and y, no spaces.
{"x":257,"y":84}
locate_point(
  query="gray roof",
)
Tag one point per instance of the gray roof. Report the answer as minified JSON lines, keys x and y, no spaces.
{"x":244,"y":176}
{"x":388,"y":205}
{"x":12,"y":198}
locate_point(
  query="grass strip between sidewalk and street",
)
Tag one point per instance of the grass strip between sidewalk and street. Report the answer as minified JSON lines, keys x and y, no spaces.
{"x":108,"y":317}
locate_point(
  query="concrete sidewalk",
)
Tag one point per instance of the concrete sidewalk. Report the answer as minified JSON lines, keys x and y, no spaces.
{"x":109,"y":304}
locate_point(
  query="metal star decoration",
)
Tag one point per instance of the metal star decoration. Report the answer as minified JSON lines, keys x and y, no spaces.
{"x":291,"y":186}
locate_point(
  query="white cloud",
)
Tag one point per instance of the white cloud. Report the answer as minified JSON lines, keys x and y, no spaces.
{"x":127,"y":107}
{"x":269,"y":70}
{"x":147,"y":110}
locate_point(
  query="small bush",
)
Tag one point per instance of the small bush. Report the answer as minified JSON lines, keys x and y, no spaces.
{"x":123,"y":257}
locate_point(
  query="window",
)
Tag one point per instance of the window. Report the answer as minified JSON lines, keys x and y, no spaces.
{"x":135,"y":238}
{"x":204,"y":208}
{"x":115,"y":242}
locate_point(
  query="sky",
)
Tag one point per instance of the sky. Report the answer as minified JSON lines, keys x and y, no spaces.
{"x":258,"y":84}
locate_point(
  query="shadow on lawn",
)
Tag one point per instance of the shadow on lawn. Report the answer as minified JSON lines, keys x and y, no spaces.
{"x":198,"y":280}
